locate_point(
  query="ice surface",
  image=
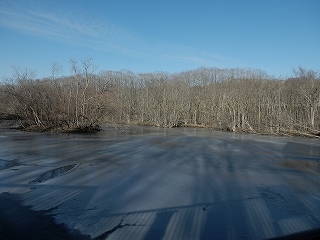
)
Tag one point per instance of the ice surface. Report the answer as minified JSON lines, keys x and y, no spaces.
{"x":4,"y":163}
{"x":153,"y":183}
{"x":57,"y":172}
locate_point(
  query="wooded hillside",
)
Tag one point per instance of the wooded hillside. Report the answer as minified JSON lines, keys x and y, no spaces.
{"x":229,"y":99}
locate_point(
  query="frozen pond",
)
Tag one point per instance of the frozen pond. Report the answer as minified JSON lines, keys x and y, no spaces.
{"x":152,"y":183}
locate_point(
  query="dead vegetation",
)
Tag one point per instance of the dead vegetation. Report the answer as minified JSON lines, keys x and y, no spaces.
{"x":241,"y":100}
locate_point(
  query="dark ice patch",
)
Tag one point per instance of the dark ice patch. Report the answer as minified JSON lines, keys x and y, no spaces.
{"x":4,"y":164}
{"x":55,"y":173}
{"x":302,"y":151}
{"x":20,"y":222}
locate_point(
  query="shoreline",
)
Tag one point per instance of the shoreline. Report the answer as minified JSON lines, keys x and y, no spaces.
{"x":12,"y":124}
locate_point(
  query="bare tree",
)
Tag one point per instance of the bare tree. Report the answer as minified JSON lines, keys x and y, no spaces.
{"x":230,"y":99}
{"x":55,"y":70}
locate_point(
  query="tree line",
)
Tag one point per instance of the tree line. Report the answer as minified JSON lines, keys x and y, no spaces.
{"x":241,"y":100}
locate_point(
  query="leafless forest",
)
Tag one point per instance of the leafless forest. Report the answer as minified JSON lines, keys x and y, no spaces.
{"x":241,"y":100}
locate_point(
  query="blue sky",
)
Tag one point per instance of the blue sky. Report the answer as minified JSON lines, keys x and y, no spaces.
{"x":148,"y":36}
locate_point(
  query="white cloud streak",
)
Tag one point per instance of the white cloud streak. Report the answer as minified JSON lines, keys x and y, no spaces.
{"x":91,"y":33}
{"x":74,"y":31}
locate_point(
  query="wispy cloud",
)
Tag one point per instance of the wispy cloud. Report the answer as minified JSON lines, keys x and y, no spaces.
{"x":191,"y":55}
{"x":66,"y":26}
{"x":67,"y":29}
